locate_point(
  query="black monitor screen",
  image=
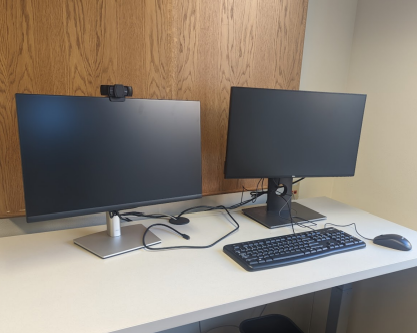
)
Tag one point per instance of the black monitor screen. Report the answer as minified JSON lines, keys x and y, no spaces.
{"x":82,"y":155}
{"x":286,"y":133}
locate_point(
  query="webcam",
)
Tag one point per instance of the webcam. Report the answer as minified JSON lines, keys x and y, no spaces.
{"x":117,"y":92}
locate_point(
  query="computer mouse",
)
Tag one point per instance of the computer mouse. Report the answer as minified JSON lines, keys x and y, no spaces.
{"x":393,"y":241}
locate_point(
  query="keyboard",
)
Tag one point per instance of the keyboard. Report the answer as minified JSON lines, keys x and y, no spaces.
{"x":291,"y":249}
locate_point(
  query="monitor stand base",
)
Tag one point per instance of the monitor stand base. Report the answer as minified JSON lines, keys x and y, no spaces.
{"x":272,"y":219}
{"x":125,"y":239}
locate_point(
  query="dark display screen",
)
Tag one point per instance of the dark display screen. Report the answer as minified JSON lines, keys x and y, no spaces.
{"x":82,"y":155}
{"x":287,"y":133}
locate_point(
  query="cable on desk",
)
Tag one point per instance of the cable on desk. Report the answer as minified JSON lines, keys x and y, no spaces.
{"x":292,"y":218}
{"x":306,"y":226}
{"x":289,"y":209}
{"x":123,"y":216}
{"x":254,"y":195}
{"x":184,"y":235}
{"x":348,"y":225}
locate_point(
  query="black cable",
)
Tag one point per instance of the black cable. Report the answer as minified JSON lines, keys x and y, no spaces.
{"x":289,"y":209}
{"x":347,"y":225}
{"x":185,"y":236}
{"x":262,"y":185}
{"x":263,"y":310}
{"x":196,"y":207}
{"x":189,"y":247}
{"x":304,"y":225}
{"x":254,"y":196}
{"x":298,"y":180}
{"x":294,"y":182}
{"x":292,"y":218}
{"x":241,"y":196}
{"x":123,"y":217}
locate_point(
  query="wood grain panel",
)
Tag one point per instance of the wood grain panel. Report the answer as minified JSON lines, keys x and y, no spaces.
{"x":242,"y":58}
{"x":291,"y":16}
{"x":17,"y":53}
{"x":179,"y":49}
{"x":158,"y":49}
{"x":226,"y":43}
{"x":129,"y":45}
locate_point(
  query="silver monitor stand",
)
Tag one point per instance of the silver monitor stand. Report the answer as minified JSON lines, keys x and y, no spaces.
{"x":116,"y":240}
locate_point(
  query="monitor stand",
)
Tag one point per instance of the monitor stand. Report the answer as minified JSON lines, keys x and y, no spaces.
{"x":276,"y":213}
{"x":116,"y":240}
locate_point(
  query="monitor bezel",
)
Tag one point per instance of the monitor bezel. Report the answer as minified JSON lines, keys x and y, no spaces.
{"x":101,"y":209}
{"x":227,"y":172}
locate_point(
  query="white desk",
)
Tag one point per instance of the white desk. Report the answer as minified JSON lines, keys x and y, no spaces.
{"x":48,"y":284}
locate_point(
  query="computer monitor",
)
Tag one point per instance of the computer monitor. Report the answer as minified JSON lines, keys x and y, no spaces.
{"x":282,"y":134}
{"x":83,"y":155}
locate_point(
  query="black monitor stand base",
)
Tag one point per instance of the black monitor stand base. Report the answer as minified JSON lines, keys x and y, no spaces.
{"x":277,"y":211}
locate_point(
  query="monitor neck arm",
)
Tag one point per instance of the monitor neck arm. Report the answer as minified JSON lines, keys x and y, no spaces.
{"x":279,"y":199}
{"x":113,"y":224}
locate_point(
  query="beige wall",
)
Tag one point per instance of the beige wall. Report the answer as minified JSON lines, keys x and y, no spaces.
{"x":380,"y":60}
{"x":384,"y":66}
{"x":326,"y":58}
{"x":385,"y":304}
{"x":369,"y":46}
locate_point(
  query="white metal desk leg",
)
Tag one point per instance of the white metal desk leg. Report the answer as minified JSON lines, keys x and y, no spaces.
{"x":339,"y":306}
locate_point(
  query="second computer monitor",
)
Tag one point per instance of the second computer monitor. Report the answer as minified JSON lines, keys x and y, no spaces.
{"x":282,"y":134}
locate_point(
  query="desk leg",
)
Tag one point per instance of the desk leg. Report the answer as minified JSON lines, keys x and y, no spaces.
{"x":338,"y":313}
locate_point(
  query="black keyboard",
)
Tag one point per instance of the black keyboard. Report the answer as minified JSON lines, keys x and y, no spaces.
{"x":291,"y":249}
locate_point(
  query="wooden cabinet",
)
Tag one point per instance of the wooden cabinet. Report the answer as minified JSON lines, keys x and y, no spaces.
{"x":165,"y":49}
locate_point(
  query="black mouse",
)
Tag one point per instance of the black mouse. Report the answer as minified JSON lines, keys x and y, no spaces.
{"x":393,"y":241}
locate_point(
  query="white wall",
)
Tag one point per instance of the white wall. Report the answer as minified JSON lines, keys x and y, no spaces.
{"x":326,"y":59}
{"x":374,"y":53}
{"x":384,"y":66}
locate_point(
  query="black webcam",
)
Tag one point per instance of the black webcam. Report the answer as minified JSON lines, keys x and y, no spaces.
{"x":116,"y":93}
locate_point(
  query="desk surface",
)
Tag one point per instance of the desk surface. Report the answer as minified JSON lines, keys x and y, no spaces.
{"x":48,"y":284}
